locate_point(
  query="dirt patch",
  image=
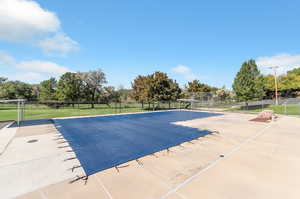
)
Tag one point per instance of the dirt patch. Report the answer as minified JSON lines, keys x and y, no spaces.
{"x":260,"y":120}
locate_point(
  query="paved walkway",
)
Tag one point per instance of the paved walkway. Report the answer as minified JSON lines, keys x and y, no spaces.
{"x":6,"y":135}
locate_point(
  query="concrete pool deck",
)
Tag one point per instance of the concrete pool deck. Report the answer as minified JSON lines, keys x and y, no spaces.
{"x":6,"y":135}
{"x":261,"y":160}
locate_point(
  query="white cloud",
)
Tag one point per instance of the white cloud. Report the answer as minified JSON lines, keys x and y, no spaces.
{"x":26,"y":21}
{"x":42,"y":67}
{"x":6,"y":59}
{"x":285,"y":62}
{"x":181,"y":69}
{"x":27,"y":77}
{"x":31,"y":71}
{"x":185,"y":71}
{"x":59,"y":43}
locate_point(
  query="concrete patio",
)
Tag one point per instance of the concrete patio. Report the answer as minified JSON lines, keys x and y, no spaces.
{"x":244,"y":160}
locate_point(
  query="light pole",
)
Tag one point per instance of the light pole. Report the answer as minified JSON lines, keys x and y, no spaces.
{"x":276,"y":86}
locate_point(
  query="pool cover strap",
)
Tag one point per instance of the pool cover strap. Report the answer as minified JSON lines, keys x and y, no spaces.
{"x":107,"y":141}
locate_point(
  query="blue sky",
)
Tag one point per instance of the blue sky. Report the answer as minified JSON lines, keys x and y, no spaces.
{"x":206,"y":40}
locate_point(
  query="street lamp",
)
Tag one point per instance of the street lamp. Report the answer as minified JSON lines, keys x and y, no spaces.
{"x":276,"y":86}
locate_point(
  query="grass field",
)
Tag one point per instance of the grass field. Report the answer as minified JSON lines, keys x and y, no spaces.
{"x":38,"y":111}
{"x":290,"y":109}
{"x":9,"y":112}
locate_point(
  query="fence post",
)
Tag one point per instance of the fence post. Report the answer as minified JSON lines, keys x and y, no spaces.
{"x":285,"y":112}
{"x":23,"y":110}
{"x":18,"y":108}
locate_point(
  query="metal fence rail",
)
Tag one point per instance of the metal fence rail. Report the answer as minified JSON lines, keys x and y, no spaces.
{"x":51,"y":109}
{"x":286,"y":106}
{"x":19,"y":105}
{"x":37,"y":110}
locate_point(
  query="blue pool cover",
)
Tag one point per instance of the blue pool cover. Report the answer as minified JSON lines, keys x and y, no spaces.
{"x":107,"y":141}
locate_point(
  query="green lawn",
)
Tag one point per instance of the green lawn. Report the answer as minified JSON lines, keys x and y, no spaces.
{"x":9,"y":112}
{"x":290,"y":109}
{"x":38,"y":111}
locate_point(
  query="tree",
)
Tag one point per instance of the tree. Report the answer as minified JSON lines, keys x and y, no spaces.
{"x":160,"y":86}
{"x":3,"y":79}
{"x":222,"y":94}
{"x":48,"y":89}
{"x":174,"y":90}
{"x":141,"y":89}
{"x":248,"y":83}
{"x":155,"y":87}
{"x":124,"y":93}
{"x":69,"y":87}
{"x":199,"y":90}
{"x":269,"y":85}
{"x":295,"y":71}
{"x":35,"y":91}
{"x":93,"y":82}
{"x":110,"y":95}
{"x":196,"y":86}
{"x":16,"y":90}
{"x":289,"y":84}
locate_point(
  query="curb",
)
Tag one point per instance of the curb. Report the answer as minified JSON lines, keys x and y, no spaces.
{"x":6,"y":136}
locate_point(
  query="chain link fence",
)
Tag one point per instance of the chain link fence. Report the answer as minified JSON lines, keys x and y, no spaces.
{"x":203,"y":101}
{"x":227,"y":102}
{"x":53,"y":109}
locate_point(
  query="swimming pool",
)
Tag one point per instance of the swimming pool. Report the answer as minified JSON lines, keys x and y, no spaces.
{"x":106,"y":141}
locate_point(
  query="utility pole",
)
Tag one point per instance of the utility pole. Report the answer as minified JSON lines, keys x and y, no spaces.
{"x":276,"y":85}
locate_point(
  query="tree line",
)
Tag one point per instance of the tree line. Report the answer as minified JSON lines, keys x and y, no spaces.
{"x":90,"y":87}
{"x":250,"y":84}
{"x":70,"y":88}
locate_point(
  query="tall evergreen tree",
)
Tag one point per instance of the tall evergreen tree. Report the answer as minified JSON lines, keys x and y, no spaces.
{"x":248,"y":83}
